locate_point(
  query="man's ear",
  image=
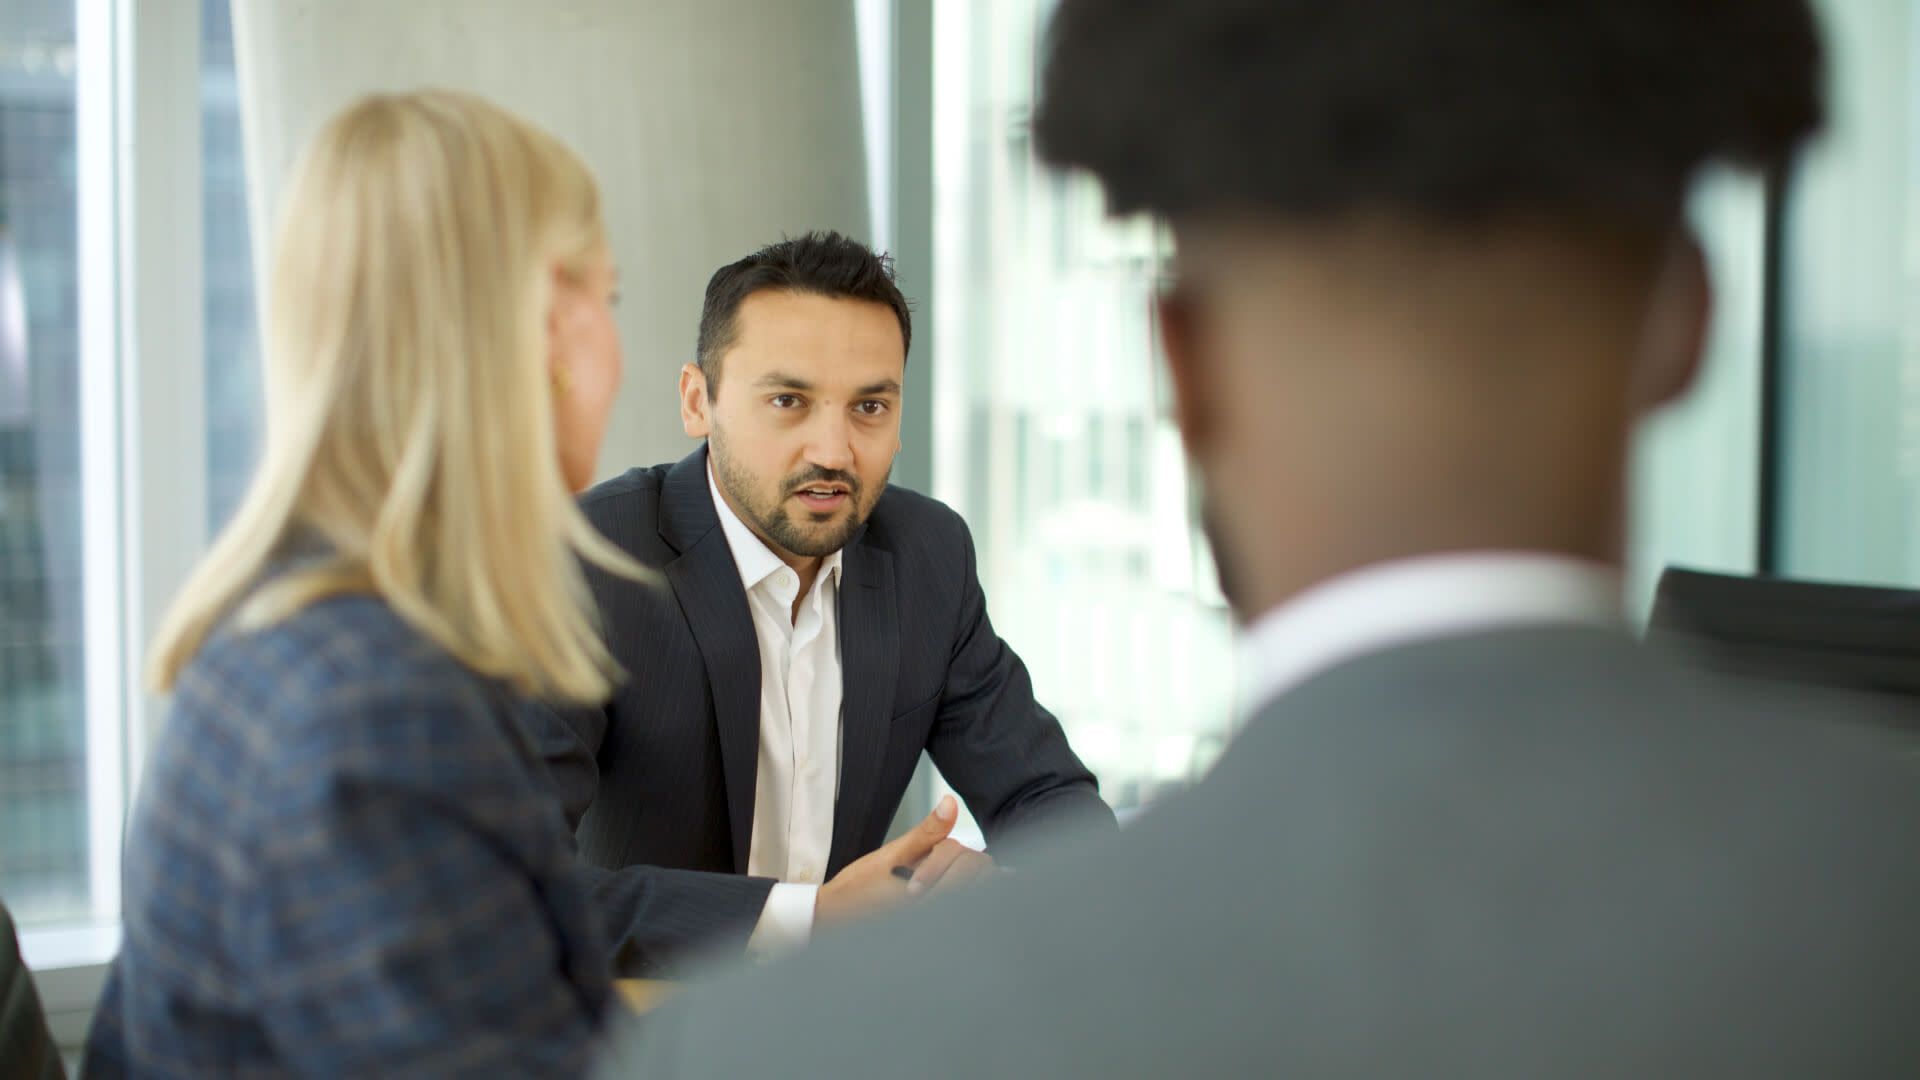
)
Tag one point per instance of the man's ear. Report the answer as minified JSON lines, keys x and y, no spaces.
{"x":1176,"y":318}
{"x":1674,"y":338}
{"x":693,"y":401}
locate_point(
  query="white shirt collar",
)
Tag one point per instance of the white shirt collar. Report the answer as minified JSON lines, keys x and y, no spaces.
{"x":755,"y":560}
{"x":1397,"y":603}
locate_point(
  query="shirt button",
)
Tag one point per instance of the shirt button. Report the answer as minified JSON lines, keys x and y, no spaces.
{"x":785,"y":579}
{"x":805,"y":875}
{"x":803,"y":763}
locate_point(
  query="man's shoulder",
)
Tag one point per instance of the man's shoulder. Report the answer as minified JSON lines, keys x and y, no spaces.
{"x":1559,"y":676}
{"x":907,"y":517}
{"x":1583,"y":759}
{"x":1574,"y":698}
{"x":638,"y":487}
{"x":632,"y":510}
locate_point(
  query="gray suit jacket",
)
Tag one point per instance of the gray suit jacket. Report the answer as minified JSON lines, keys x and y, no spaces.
{"x":660,"y":782}
{"x":1525,"y":854}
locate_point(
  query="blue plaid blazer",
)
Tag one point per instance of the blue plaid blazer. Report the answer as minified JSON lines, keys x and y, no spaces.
{"x":344,"y":861}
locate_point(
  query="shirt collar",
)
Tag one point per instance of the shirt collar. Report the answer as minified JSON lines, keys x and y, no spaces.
{"x":1404,"y":601}
{"x":755,"y":561}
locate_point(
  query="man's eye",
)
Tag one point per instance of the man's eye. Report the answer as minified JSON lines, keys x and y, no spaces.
{"x":873,"y":408}
{"x":785,"y":401}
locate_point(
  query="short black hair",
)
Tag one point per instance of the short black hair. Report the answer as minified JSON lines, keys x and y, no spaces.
{"x":816,"y":263}
{"x":1444,"y":108}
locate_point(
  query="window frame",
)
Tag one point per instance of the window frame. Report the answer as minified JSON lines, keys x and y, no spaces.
{"x":143,"y":467}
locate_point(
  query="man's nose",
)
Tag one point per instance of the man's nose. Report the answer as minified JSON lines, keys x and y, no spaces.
{"x":830,"y":443}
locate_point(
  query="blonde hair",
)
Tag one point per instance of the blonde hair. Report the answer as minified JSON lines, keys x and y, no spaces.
{"x":410,"y":423}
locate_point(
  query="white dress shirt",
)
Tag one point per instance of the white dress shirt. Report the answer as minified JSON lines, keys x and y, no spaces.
{"x":1401,"y":602}
{"x":798,"y":776}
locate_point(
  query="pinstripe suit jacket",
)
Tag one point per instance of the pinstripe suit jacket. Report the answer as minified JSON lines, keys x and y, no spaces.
{"x":345,"y":862}
{"x":661,"y":780}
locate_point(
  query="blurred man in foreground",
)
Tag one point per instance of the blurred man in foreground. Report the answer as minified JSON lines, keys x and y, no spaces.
{"x":1434,"y":265}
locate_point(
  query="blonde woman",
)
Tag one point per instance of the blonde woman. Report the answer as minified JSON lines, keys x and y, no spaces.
{"x":343,"y":861}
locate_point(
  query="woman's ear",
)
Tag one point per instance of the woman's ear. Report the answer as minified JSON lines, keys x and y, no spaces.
{"x":1674,"y":337}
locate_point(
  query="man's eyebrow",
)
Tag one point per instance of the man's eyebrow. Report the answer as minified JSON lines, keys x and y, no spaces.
{"x":783,"y":381}
{"x":880,"y":389}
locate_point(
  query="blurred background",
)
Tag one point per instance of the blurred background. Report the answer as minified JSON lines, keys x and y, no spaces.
{"x":142,"y":142}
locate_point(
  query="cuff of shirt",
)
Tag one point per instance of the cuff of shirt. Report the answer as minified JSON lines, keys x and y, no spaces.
{"x":786,"y":923}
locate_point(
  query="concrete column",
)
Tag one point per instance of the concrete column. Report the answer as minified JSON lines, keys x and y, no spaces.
{"x":714,"y":126}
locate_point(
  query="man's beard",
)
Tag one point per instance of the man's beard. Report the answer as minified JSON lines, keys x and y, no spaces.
{"x":775,"y":522}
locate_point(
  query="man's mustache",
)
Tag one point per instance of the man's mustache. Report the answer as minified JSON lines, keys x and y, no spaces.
{"x":816,"y":475}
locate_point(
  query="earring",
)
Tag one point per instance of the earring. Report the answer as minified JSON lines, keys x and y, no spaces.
{"x":562,"y":380}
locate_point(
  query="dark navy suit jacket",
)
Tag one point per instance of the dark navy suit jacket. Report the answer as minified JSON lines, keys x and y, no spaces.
{"x":660,"y":782}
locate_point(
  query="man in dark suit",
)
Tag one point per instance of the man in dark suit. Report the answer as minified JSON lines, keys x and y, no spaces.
{"x":1434,"y":262}
{"x":818,"y":630}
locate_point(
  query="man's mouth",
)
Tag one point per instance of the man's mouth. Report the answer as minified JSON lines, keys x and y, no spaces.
{"x":823,"y":497}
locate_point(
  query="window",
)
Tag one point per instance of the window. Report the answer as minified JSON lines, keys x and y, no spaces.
{"x":1053,"y":435}
{"x":1054,"y":439}
{"x":1850,"y":398}
{"x":44,"y":868}
{"x":121,"y":437}
{"x":234,"y":404}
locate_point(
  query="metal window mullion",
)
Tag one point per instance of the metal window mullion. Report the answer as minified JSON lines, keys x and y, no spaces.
{"x":163,"y":355}
{"x":97,"y":68}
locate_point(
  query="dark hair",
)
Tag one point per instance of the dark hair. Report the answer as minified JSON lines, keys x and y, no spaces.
{"x":1441,"y":107}
{"x":817,"y":263}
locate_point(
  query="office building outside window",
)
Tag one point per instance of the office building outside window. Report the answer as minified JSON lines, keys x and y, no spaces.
{"x":235,"y":407}
{"x":48,"y":840}
{"x":43,"y":773}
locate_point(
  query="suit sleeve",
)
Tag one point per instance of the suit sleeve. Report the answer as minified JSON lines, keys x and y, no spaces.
{"x":656,"y":919}
{"x":568,"y":740}
{"x":1001,"y":750}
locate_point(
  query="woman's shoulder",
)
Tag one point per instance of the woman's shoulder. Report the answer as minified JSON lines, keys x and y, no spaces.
{"x":331,"y":645}
{"x":344,"y":677}
{"x":343,"y":709}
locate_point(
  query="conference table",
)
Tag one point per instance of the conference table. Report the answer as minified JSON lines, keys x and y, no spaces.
{"x":643,"y":995}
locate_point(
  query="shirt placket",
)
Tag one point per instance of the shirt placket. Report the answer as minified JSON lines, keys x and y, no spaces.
{"x":778,"y":596}
{"x":802,"y":674}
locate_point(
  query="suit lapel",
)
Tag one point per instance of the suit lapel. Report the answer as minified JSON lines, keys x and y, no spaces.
{"x":869,"y":666}
{"x":706,"y":582}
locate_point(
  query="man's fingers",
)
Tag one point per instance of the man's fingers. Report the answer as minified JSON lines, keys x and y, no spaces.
{"x":973,"y":865}
{"x":966,"y":865}
{"x":932,"y":829}
{"x":934,"y":867}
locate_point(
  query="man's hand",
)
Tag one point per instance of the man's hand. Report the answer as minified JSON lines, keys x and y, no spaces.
{"x":950,"y":863}
{"x":868,"y":886}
